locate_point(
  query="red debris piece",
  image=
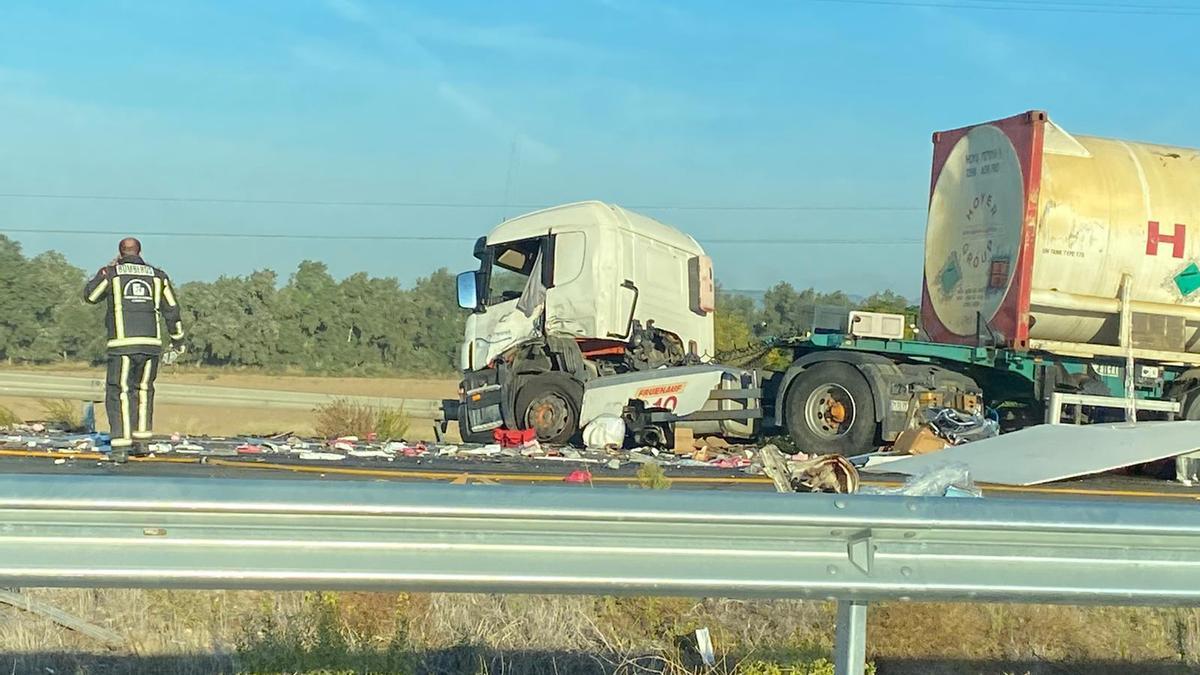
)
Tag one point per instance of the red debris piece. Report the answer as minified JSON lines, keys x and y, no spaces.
{"x":372,"y":437}
{"x":514,"y":438}
{"x":579,"y":476}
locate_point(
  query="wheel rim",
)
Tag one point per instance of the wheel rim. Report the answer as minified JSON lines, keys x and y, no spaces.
{"x":548,"y":414}
{"x":829,"y":411}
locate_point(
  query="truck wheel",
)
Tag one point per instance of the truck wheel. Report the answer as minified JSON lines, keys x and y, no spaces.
{"x":1190,"y":410}
{"x":830,"y":409}
{"x":550,"y":404}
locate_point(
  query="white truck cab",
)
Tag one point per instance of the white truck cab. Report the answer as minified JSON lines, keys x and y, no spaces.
{"x":567,"y":296}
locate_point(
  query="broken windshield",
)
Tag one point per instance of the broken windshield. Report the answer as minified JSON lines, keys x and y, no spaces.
{"x":512,"y":263}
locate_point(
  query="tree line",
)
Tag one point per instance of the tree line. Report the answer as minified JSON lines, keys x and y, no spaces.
{"x":360,"y":324}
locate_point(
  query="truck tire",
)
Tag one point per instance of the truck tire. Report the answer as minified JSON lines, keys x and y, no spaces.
{"x":550,"y":404}
{"x":830,"y":410}
{"x":1190,"y":408}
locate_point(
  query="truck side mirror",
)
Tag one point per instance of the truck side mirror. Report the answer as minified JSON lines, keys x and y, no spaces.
{"x":468,"y":290}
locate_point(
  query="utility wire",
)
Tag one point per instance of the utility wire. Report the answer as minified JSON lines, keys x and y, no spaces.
{"x":435,"y":205}
{"x":814,"y":241}
{"x":1040,"y":7}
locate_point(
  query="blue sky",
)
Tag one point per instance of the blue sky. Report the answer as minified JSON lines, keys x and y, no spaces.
{"x":649,"y":103}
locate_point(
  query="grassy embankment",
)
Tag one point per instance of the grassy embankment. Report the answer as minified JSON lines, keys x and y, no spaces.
{"x":208,"y":632}
{"x":212,"y":420}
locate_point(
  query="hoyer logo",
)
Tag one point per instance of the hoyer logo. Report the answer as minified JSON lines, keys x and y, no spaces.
{"x":1155,"y":236}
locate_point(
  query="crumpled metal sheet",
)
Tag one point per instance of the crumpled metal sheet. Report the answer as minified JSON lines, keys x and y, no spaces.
{"x":827,"y":473}
{"x":1053,"y":452}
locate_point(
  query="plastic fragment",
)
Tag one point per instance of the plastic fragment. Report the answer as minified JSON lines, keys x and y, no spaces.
{"x":606,"y":431}
{"x":331,"y":456}
{"x":941,"y":480}
{"x":579,"y":476}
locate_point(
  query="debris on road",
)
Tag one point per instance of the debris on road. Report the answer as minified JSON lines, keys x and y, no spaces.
{"x":941,"y":480}
{"x":1054,"y":452}
{"x":827,"y":473}
{"x":579,"y":476}
{"x":604,"y":433}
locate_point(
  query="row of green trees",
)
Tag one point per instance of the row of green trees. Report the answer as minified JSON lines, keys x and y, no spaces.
{"x":360,"y":324}
{"x":314,"y":322}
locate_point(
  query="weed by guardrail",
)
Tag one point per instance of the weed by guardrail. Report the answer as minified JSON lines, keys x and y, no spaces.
{"x":348,"y":417}
{"x":62,"y":412}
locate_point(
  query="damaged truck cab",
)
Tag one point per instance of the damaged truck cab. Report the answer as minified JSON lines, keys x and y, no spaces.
{"x":569,"y":296}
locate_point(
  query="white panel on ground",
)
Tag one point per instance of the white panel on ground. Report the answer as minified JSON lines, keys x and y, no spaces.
{"x":1053,"y":452}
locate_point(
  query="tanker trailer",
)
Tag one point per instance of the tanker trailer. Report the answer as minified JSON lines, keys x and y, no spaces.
{"x":1061,"y":276}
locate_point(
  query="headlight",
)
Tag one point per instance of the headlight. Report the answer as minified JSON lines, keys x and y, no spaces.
{"x":479,"y":349}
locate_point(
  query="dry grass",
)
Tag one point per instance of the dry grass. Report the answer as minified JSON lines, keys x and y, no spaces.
{"x":62,"y":412}
{"x":202,"y":632}
{"x":8,"y":418}
{"x":249,"y":378}
{"x":236,"y":420}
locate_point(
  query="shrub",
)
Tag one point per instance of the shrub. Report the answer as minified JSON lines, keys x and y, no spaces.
{"x":346,"y":417}
{"x":8,"y":418}
{"x":62,"y":411}
{"x":651,"y":477}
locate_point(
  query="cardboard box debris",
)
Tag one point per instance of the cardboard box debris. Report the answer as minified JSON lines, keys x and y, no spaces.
{"x":685,"y":441}
{"x":921,"y":441}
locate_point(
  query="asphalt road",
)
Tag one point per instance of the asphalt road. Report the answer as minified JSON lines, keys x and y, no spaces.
{"x":534,"y":472}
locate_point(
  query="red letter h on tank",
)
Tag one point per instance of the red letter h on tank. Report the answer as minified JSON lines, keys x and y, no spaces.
{"x":1154,"y":238}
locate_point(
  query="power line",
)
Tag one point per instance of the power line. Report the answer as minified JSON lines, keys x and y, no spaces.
{"x":435,"y":205}
{"x":813,"y":241}
{"x":1042,"y":7}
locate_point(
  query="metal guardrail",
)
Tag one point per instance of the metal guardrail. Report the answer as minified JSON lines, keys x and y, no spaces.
{"x":92,"y":389}
{"x":264,"y":534}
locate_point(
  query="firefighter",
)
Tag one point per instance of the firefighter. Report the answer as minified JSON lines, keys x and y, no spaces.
{"x":138,"y":298}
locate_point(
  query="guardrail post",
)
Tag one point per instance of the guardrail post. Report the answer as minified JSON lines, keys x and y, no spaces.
{"x":850,"y":644}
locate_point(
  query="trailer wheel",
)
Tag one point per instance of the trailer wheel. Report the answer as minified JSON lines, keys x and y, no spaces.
{"x":1190,"y":410}
{"x":830,"y":409}
{"x":550,"y":404}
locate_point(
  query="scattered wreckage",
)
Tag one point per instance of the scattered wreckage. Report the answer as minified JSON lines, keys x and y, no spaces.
{"x":945,"y":453}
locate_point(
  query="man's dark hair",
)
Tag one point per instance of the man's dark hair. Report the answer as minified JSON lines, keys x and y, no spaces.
{"x":129,"y":246}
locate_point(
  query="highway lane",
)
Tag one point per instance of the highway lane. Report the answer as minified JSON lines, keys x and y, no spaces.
{"x":527,"y":472}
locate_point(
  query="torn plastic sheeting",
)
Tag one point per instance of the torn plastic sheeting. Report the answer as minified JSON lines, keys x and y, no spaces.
{"x":1053,"y":452}
{"x":943,"y":480}
{"x":958,"y":427}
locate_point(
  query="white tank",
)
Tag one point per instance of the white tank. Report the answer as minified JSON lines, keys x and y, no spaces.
{"x":1033,"y":231}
